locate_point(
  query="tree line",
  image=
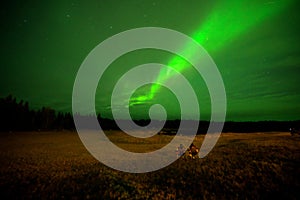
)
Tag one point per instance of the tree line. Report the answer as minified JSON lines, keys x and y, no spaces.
{"x":17,"y":116}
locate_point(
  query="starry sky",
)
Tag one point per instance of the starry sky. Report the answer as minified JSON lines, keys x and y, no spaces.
{"x":255,"y":45}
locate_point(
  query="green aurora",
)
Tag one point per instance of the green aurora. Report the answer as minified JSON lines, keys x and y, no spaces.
{"x":255,"y":45}
{"x":213,"y":40}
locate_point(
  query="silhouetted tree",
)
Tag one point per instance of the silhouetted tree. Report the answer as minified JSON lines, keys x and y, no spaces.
{"x":17,"y":116}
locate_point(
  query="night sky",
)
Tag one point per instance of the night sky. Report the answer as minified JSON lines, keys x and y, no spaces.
{"x":255,"y":45}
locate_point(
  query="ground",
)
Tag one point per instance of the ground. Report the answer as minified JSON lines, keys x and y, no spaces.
{"x":56,"y":165}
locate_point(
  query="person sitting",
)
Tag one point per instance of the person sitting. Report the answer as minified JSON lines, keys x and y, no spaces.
{"x":193,"y":151}
{"x":180,"y":150}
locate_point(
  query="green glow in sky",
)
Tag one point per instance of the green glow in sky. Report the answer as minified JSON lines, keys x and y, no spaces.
{"x":254,"y":43}
{"x":226,"y":21}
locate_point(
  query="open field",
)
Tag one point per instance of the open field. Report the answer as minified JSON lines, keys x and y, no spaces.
{"x":56,"y":165}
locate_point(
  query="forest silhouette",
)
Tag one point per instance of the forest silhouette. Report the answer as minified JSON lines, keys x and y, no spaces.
{"x":17,"y":116}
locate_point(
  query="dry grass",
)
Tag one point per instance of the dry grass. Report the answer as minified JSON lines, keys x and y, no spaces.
{"x":56,"y":165}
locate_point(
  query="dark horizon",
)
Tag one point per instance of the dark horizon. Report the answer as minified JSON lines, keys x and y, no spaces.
{"x":23,"y":102}
{"x":17,"y":116}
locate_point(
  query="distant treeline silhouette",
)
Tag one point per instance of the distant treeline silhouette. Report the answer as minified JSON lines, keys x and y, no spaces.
{"x":17,"y":116}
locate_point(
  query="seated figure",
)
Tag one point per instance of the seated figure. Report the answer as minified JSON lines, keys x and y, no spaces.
{"x":180,"y":150}
{"x":193,"y":151}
